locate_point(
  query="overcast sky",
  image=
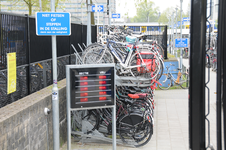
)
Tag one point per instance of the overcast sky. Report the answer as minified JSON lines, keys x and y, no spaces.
{"x":124,"y":6}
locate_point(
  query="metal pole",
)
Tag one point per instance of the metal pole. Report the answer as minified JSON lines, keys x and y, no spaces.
{"x":109,"y":8}
{"x":181,"y":51}
{"x":173,"y":33}
{"x":221,"y":47}
{"x":40,"y":5}
{"x":176,"y":29}
{"x":68,"y":108}
{"x":55,"y":91}
{"x":171,"y":36}
{"x":114,"y":128}
{"x":98,"y":18}
{"x":104,"y":23}
{"x":88,"y":38}
{"x":197,"y":73}
{"x":189,"y":35}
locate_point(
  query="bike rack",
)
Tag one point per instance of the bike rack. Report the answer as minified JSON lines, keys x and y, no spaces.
{"x":86,"y":126}
{"x":120,"y":80}
{"x":95,"y":135}
{"x":138,"y":81}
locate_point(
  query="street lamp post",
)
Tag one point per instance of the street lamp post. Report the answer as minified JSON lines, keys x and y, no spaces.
{"x":173,"y":32}
{"x":181,"y":51}
{"x":176,"y":28}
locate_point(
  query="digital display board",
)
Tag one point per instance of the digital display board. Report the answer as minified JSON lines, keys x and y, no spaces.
{"x":92,"y":86}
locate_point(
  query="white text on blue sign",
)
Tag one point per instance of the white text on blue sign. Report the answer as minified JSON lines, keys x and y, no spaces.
{"x":53,"y":23}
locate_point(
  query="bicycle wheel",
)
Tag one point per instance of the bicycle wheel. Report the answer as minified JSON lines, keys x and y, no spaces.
{"x":165,"y":81}
{"x":160,"y":71}
{"x":184,"y":81}
{"x":97,"y":55}
{"x":138,"y":135}
{"x":151,"y":74}
{"x":159,"y":49}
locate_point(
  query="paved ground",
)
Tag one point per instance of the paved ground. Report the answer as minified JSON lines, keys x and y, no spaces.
{"x":171,"y":122}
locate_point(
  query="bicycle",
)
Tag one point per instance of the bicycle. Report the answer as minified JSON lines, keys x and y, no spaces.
{"x":169,"y":78}
{"x":127,"y":64}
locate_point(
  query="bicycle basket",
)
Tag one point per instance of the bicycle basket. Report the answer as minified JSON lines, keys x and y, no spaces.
{"x":149,"y":59}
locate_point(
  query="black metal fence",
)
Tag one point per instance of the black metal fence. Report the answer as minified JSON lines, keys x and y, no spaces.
{"x":33,"y":54}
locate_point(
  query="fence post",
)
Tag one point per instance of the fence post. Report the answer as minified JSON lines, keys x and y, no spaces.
{"x":221,"y":46}
{"x":165,"y":43}
{"x":197,"y":76}
{"x":28,"y":56}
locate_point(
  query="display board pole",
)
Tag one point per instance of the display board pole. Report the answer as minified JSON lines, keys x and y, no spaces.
{"x":55,"y":91}
{"x":113,"y":128}
{"x":68,"y":108}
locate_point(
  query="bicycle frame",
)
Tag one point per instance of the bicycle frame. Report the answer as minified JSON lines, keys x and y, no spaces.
{"x":176,"y":80}
{"x":124,"y":64}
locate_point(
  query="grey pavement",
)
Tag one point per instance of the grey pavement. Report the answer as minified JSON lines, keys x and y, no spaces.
{"x":171,"y":122}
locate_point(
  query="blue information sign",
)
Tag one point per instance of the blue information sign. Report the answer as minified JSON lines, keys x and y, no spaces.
{"x":181,"y":42}
{"x":115,"y":16}
{"x":99,"y":8}
{"x":186,"y":19}
{"x":53,"y":23}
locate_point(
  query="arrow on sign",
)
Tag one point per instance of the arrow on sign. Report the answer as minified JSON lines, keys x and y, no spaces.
{"x":115,"y":16}
{"x":99,"y":8}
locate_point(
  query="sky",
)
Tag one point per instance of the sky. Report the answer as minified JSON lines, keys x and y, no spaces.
{"x":124,"y":6}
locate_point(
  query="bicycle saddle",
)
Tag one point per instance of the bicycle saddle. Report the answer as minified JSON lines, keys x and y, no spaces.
{"x":133,"y":96}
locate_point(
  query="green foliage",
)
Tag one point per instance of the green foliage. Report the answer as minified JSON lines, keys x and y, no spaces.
{"x":166,"y":16}
{"x":146,"y":11}
{"x":30,"y":4}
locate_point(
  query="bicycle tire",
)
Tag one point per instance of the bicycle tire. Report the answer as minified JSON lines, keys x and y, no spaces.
{"x":134,"y":71}
{"x":184,"y":81}
{"x":165,"y":81}
{"x":138,"y":135}
{"x":97,"y":55}
{"x":160,"y":71}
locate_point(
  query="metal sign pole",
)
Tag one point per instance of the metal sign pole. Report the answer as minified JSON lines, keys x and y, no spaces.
{"x":55,"y":91}
{"x":109,"y":8}
{"x":88,"y":38}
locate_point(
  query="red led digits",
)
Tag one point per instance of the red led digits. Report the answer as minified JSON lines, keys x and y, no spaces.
{"x":102,"y":88}
{"x":83,"y":99}
{"x":102,"y":93}
{"x":83,"y":83}
{"x":102,"y":82}
{"x":102,"y":77}
{"x":84,"y":89}
{"x":83,"y":94}
{"x":102,"y":98}
{"x":84,"y":78}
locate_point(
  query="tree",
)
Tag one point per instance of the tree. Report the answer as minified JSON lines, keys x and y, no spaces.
{"x":146,"y":11}
{"x":167,"y":13}
{"x":31,"y":3}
